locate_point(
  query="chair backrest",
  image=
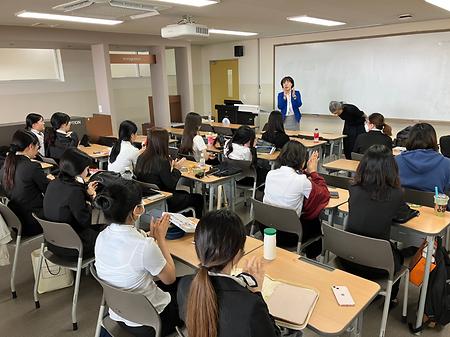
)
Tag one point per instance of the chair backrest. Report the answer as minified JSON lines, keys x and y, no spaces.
{"x":357,"y":156}
{"x":145,"y":185}
{"x":422,"y":198}
{"x":359,"y":249}
{"x":206,"y":127}
{"x":223,"y":131}
{"x":188,"y":156}
{"x":265,"y":127}
{"x":11,"y":219}
{"x":132,"y":306}
{"x":248,"y":170}
{"x":336,"y":181}
{"x":283,"y":219}
{"x":61,"y":234}
{"x":173,"y":152}
{"x":444,"y":144}
{"x":107,"y":141}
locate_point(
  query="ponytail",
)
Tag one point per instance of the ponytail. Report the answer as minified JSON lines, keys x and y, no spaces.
{"x":10,"y":168}
{"x":126,"y":129}
{"x":203,"y":321}
{"x":387,"y":129}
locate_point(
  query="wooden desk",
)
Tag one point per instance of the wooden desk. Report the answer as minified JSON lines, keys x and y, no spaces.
{"x":209,"y":181}
{"x":325,"y":136}
{"x":156,"y":199}
{"x":336,"y":202}
{"x":45,"y":166}
{"x":342,"y":165}
{"x":183,"y":249}
{"x":229,"y":126}
{"x":430,"y":225}
{"x":99,"y":153}
{"x":143,"y":138}
{"x":328,"y":318}
{"x":177,"y":132}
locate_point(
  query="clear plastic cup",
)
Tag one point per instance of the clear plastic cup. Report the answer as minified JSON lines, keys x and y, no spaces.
{"x":440,"y":204}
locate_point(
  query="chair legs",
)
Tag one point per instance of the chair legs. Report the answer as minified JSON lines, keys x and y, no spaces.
{"x":101,"y":313}
{"x":387,"y":301}
{"x":38,"y":276}
{"x":75,"y":294}
{"x":14,"y":267}
{"x":405,"y":295}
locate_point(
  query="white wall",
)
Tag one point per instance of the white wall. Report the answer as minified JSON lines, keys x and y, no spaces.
{"x":250,"y":75}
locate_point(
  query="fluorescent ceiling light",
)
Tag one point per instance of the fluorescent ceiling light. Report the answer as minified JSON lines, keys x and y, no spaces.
{"x":231,"y":32}
{"x":144,"y":15}
{"x":195,"y":3}
{"x":58,"y":17}
{"x":315,"y":21}
{"x":445,"y":4}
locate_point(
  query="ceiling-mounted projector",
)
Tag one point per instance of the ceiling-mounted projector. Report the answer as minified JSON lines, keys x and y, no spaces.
{"x":186,"y":28}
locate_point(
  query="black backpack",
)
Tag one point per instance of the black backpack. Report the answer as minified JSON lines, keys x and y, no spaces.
{"x":402,"y":137}
{"x":437,"y":304}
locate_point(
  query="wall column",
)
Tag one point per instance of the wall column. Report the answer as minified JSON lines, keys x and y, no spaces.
{"x":103,"y":82}
{"x":185,"y":86}
{"x":160,"y":87}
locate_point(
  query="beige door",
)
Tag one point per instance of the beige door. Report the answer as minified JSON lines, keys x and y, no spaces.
{"x":224,"y":81}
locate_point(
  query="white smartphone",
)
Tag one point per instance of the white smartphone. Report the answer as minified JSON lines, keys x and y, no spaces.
{"x":343,"y":296}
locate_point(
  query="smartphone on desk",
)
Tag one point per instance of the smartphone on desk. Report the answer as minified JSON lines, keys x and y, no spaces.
{"x":334,"y":194}
{"x":343,"y":296}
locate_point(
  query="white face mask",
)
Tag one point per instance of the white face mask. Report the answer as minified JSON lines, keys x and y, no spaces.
{"x":366,"y":126}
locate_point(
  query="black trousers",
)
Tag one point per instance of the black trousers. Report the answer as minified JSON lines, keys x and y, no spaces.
{"x":375,"y":273}
{"x":182,"y":199}
{"x":352,"y":133}
{"x":169,"y":316}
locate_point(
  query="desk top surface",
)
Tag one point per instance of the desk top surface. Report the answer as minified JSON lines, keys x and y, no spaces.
{"x":184,"y":249}
{"x":328,"y":317}
{"x":342,"y":199}
{"x":43,"y":165}
{"x":95,"y":150}
{"x":323,"y":135}
{"x":229,"y":126}
{"x":187,"y":172}
{"x":156,"y":198}
{"x":342,"y":164}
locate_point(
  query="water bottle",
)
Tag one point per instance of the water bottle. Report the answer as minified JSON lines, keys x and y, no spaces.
{"x":316,"y":135}
{"x":209,"y":117}
{"x":270,"y":243}
{"x":202,"y":160}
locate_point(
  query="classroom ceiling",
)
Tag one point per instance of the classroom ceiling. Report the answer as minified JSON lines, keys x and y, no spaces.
{"x":265,"y":17}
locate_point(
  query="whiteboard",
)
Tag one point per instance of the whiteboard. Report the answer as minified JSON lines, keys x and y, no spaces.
{"x":405,"y":76}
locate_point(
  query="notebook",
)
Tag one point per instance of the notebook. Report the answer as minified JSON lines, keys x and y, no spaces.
{"x":290,"y":305}
{"x":182,"y":222}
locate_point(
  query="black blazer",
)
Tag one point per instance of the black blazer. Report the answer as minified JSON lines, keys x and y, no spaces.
{"x":26,"y":197}
{"x":242,"y":313}
{"x":159,"y":175}
{"x":276,"y":138}
{"x":366,"y":140}
{"x":66,"y":201}
{"x":373,"y":218}
{"x":62,"y":142}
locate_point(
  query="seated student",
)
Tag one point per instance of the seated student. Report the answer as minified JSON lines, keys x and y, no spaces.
{"x":422,"y":167}
{"x":124,"y":154}
{"x":375,"y":199}
{"x":128,"y":258}
{"x":242,"y":145}
{"x":35,"y":123}
{"x":214,"y":303}
{"x":192,"y":143}
{"x":379,"y":133}
{"x":287,"y":186}
{"x":155,"y":166}
{"x":275,"y":130}
{"x":59,"y":138}
{"x":68,"y":200}
{"x":24,"y":181}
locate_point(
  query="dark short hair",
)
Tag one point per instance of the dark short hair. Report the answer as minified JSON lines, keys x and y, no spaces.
{"x":58,"y":119}
{"x":422,"y":136}
{"x":293,"y":154}
{"x":117,"y":200}
{"x":287,"y":79}
{"x":31,"y":119}
{"x":377,"y":172}
{"x":73,"y":162}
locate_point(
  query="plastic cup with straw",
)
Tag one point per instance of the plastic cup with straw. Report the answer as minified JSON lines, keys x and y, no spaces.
{"x":440,"y":202}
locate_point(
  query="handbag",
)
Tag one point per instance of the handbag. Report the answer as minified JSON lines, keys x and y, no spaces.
{"x":405,"y":214}
{"x":417,"y":264}
{"x":53,"y":277}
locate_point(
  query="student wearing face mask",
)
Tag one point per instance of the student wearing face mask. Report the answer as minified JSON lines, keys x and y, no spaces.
{"x":379,"y":133}
{"x":289,"y":103}
{"x":131,"y":259}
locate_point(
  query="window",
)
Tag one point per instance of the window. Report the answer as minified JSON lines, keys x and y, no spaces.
{"x":30,"y":64}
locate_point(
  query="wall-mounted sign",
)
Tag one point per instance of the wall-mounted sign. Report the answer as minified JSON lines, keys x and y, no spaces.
{"x":131,"y":59}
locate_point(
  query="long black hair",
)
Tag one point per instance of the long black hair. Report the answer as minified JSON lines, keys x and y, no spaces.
{"x":242,"y":136}
{"x":20,"y":141}
{"x":126,"y":130}
{"x":275,"y":123}
{"x":72,"y":163}
{"x":57,"y":119}
{"x":31,"y":119}
{"x":118,"y":200}
{"x":377,"y":172}
{"x":219,"y":238}
{"x":192,"y":124}
{"x":157,"y":150}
